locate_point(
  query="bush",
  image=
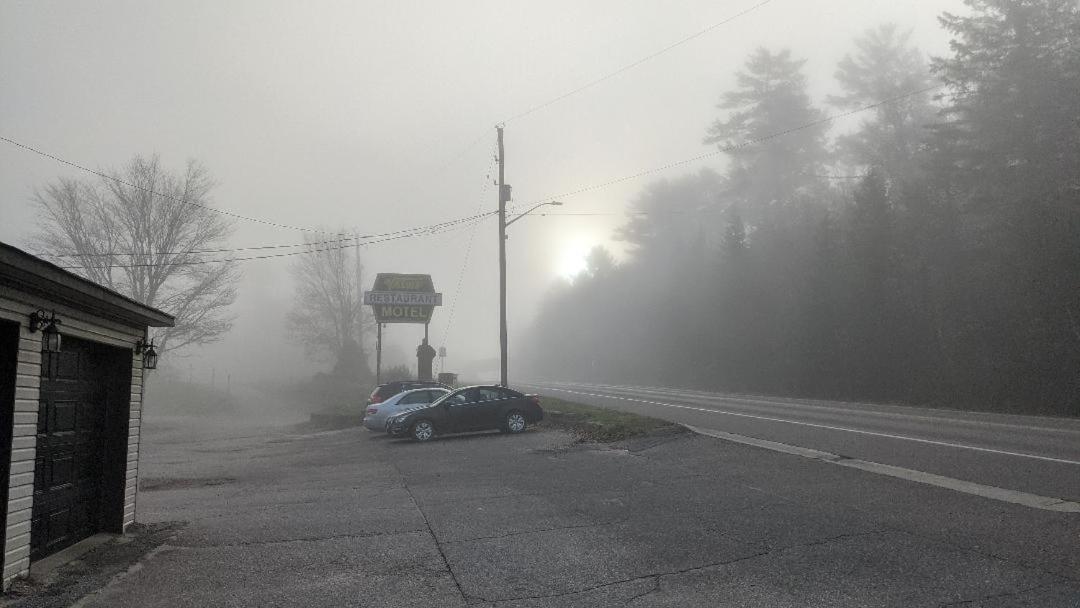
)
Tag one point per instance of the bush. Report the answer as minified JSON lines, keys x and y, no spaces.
{"x":398,"y":372}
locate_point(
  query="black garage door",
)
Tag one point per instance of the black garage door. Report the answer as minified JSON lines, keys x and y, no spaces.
{"x":9,"y":353}
{"x":82,"y":417}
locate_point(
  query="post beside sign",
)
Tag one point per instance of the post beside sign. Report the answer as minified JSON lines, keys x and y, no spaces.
{"x":403,"y":298}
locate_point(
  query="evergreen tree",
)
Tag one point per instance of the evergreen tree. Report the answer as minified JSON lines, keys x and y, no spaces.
{"x":949,"y":275}
{"x":770,"y":175}
{"x":1012,"y":144}
{"x":885,"y":66}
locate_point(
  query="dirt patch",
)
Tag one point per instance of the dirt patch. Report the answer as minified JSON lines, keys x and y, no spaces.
{"x":321,"y":421}
{"x":92,"y":571}
{"x":152,"y":484}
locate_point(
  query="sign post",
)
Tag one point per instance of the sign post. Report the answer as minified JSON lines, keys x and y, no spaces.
{"x":401,"y":298}
{"x":378,"y":355}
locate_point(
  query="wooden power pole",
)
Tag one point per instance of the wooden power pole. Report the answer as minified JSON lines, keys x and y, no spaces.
{"x":360,"y":306}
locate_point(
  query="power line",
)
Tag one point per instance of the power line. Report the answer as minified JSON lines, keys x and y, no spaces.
{"x":633,"y":65}
{"x":351,"y":243}
{"x":350,"y":239}
{"x":152,"y":192}
{"x":453,"y":159}
{"x":625,"y":213}
{"x":612,"y":213}
{"x":443,"y":166}
{"x":732,"y":148}
{"x":282,"y":255}
{"x":465,"y":263}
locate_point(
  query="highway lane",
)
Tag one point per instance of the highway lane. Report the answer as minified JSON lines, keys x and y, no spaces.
{"x":1039,"y":455}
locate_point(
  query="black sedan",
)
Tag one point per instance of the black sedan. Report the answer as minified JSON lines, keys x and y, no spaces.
{"x":473,"y":408}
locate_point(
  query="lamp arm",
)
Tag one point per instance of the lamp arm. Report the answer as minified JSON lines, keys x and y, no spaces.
{"x":531,"y":209}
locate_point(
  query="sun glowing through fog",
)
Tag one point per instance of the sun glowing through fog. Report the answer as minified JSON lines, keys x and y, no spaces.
{"x":571,"y":260}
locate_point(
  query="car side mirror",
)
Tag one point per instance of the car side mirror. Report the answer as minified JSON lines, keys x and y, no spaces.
{"x":446,"y":406}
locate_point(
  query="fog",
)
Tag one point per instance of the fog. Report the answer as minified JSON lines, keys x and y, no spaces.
{"x":377,"y":116}
{"x":793,"y":303}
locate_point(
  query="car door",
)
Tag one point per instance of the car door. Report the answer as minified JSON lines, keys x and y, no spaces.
{"x":459,"y":410}
{"x":489,"y":407}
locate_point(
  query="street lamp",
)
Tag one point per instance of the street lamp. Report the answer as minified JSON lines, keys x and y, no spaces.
{"x":531,"y":209}
{"x":503,"y":224}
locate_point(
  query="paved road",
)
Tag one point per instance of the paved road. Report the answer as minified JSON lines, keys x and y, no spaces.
{"x":1031,"y":454}
{"x":282,"y":518}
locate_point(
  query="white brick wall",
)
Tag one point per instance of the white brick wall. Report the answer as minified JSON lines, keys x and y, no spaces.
{"x":17,"y":307}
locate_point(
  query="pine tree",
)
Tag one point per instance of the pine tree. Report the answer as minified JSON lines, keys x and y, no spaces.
{"x":770,"y":174}
{"x":1012,"y":145}
{"x":885,"y":66}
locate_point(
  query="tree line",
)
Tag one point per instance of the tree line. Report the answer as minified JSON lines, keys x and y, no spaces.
{"x":931,"y":256}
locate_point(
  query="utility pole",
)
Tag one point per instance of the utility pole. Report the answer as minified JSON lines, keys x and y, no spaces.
{"x":504,"y":192}
{"x":360,"y":308}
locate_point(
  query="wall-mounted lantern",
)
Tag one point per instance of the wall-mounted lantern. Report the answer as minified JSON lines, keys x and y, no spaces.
{"x":50,"y":335}
{"x":149,"y":355}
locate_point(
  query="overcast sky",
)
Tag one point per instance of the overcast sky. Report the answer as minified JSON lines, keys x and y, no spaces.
{"x":360,"y":115}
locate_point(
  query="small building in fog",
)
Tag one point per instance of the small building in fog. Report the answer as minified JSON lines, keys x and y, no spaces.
{"x":71,"y":382}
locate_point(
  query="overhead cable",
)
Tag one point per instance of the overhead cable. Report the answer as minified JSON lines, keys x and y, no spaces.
{"x":351,"y":242}
{"x":599,"y":80}
{"x":350,"y":239}
{"x":633,"y":65}
{"x":738,"y":146}
{"x":464,"y":264}
{"x":153,"y":193}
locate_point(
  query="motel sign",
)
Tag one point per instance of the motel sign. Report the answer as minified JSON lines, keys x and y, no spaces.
{"x":403,"y":298}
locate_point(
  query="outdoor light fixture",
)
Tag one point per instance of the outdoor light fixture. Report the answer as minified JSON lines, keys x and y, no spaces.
{"x":47,"y":323}
{"x":149,"y":355}
{"x":534,"y":208}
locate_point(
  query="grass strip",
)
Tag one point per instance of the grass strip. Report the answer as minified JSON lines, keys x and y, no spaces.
{"x":599,"y":424}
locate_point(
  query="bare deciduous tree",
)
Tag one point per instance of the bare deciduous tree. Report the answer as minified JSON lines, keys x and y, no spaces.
{"x":140,"y":231}
{"x":328,"y":315}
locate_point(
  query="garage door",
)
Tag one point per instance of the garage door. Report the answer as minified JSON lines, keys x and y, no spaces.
{"x":9,"y":353}
{"x":71,"y":472}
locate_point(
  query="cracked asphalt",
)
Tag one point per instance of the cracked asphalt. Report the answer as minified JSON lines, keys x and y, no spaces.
{"x":348,"y":518}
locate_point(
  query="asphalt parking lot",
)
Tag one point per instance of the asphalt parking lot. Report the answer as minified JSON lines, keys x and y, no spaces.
{"x":348,"y":518}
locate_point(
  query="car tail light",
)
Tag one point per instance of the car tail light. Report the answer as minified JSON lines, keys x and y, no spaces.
{"x":372,"y":410}
{"x":376,"y":398}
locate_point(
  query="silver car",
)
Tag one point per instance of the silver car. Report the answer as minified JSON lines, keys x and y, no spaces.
{"x":377,"y":413}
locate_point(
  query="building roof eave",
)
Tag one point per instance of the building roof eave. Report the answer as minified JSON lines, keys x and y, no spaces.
{"x":27,"y":272}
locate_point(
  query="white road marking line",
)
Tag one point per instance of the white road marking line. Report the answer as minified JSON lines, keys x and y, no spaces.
{"x":1034,"y":501}
{"x":820,"y":426}
{"x":805,"y":405}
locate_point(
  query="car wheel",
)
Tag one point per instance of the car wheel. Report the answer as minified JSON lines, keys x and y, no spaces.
{"x":515,"y":422}
{"x":423,"y":430}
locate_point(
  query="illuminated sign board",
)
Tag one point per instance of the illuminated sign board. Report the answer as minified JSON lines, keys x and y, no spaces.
{"x":403,"y":298}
